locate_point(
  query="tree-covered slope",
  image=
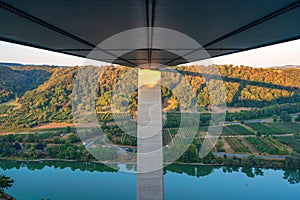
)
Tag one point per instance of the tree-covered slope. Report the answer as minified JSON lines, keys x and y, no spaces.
{"x":52,"y":100}
{"x":16,"y":82}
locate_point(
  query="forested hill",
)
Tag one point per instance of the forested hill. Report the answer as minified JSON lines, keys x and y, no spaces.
{"x":17,"y":82}
{"x":51,"y":101}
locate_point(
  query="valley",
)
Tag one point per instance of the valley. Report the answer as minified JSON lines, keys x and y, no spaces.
{"x":262,"y":119}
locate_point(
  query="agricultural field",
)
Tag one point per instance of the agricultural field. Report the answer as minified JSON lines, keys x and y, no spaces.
{"x":292,"y":142}
{"x":283,"y":149}
{"x":202,"y":130}
{"x":263,"y":145}
{"x":220,"y":146}
{"x":286,"y":127}
{"x":238,"y":139}
{"x":264,"y":129}
{"x":236,"y":130}
{"x":167,"y":138}
{"x":105,"y":116}
{"x":173,"y":131}
{"x":237,"y":145}
{"x":128,"y":139}
{"x":173,"y":119}
{"x":188,"y":132}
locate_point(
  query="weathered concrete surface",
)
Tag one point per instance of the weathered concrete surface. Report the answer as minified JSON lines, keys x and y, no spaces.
{"x":150,"y":184}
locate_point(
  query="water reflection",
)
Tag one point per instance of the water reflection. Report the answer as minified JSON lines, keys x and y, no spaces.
{"x":291,"y":175}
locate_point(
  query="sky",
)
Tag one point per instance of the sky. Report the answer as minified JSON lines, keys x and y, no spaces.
{"x":276,"y":55}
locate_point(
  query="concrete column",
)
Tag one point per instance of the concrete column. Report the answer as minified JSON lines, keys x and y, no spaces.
{"x":150,"y":185}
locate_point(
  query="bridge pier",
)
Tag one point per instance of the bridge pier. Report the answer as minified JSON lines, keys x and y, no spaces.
{"x":150,"y":184}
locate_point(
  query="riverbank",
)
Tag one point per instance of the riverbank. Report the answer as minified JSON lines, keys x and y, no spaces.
{"x":230,"y":161}
{"x":104,"y":163}
{"x":6,"y":197}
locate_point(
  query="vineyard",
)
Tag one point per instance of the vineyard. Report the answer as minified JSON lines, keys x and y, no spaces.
{"x":202,"y":130}
{"x":264,"y":129}
{"x":220,"y":146}
{"x":129,"y":139}
{"x":263,"y":146}
{"x":237,"y":145}
{"x":286,"y":127}
{"x":188,"y":132}
{"x":167,"y":138}
{"x":292,"y":142}
{"x":236,"y":130}
{"x":173,"y":131}
{"x":239,"y":138}
{"x":107,"y":116}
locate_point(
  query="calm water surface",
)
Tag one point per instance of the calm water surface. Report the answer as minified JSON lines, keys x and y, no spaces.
{"x":78,"y":181}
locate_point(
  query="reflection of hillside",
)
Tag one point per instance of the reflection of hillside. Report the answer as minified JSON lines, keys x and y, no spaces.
{"x":33,"y":165}
{"x":291,"y":175}
{"x":191,"y":170}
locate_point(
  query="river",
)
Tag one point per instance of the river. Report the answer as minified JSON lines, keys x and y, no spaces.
{"x":77,"y":181}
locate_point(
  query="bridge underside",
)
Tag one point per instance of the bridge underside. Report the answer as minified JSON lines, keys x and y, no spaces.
{"x":76,"y":27}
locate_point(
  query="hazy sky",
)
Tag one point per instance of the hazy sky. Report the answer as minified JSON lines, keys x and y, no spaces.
{"x":282,"y":54}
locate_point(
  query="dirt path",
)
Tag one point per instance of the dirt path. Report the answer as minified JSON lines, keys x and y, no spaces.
{"x":226,"y":146}
{"x":53,"y":125}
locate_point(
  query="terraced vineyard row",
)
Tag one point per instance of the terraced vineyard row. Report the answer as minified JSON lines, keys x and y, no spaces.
{"x":236,"y":130}
{"x":105,"y":116}
{"x":173,"y":131}
{"x":188,"y":132}
{"x":202,"y":130}
{"x":264,"y":129}
{"x":286,"y":127}
{"x":241,"y":130}
{"x":283,"y":150}
{"x":121,"y":116}
{"x":263,"y":146}
{"x":167,"y":138}
{"x":237,"y":146}
{"x":292,"y":142}
{"x":129,"y":139}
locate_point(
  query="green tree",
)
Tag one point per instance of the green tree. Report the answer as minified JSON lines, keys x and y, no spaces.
{"x":5,"y":182}
{"x":73,"y":138}
{"x":274,"y":118}
{"x":285,"y":117}
{"x":68,"y":129}
{"x":190,"y":155}
{"x":297,"y":118}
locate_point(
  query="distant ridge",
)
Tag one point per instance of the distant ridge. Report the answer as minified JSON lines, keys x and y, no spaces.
{"x":285,"y":67}
{"x":10,"y":64}
{"x":4,"y":64}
